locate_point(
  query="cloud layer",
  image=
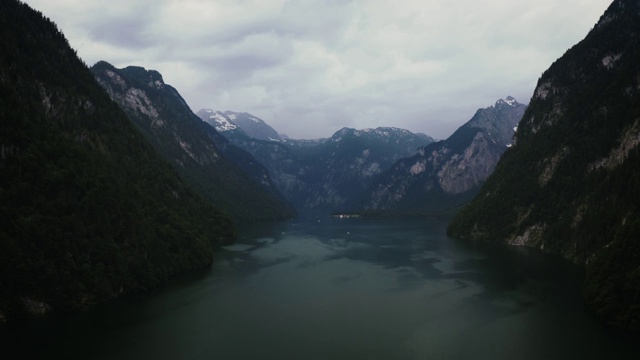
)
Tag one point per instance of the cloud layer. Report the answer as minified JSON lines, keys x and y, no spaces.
{"x":311,"y":67}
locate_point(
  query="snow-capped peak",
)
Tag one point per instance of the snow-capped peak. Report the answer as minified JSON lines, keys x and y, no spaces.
{"x":509,"y":101}
{"x":221,"y":122}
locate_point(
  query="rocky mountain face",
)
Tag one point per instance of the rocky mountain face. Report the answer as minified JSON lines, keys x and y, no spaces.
{"x":571,"y":182}
{"x":88,"y":210}
{"x":323,"y":175}
{"x":222,"y":173}
{"x":447,"y":173}
{"x":287,"y":166}
{"x":231,"y":121}
{"x":345,"y":164}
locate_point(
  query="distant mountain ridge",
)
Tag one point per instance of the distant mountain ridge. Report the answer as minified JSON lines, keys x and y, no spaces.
{"x":447,"y":173}
{"x":384,"y":169}
{"x":321,"y":175}
{"x":252,"y":126}
{"x":350,"y":159}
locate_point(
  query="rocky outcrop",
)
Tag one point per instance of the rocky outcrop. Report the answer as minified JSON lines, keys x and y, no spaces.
{"x":447,"y":173}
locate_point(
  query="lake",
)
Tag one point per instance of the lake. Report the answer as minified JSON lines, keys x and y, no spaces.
{"x":343,"y":289}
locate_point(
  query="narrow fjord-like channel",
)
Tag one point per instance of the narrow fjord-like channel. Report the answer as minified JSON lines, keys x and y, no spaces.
{"x":344,"y":289}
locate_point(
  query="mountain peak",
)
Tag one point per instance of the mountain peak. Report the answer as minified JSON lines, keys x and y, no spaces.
{"x":221,"y":121}
{"x":509,"y":100}
{"x":140,"y":75}
{"x":251,"y":125}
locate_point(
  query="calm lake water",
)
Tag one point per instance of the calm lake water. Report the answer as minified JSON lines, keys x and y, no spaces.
{"x":344,"y":289}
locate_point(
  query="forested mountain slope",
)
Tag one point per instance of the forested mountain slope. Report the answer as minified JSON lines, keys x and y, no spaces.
{"x":88,"y":210}
{"x":571,"y":183}
{"x":222,"y":173}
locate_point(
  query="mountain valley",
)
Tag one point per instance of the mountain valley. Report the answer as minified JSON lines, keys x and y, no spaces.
{"x":382,"y":169}
{"x":110,"y":184}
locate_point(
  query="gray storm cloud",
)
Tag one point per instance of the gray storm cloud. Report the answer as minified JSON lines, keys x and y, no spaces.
{"x":309,"y":68}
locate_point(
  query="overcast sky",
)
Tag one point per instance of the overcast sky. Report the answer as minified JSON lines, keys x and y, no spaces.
{"x":309,"y":68}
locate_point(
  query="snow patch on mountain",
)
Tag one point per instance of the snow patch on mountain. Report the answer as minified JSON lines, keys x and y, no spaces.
{"x":220,"y":122}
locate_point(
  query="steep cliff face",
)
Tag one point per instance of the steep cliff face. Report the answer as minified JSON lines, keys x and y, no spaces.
{"x":222,"y":173}
{"x":447,"y":173}
{"x":570,"y":185}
